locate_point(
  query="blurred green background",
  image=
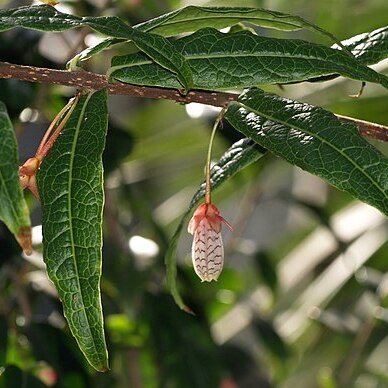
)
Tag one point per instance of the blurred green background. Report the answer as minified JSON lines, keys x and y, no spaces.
{"x":303,"y":298}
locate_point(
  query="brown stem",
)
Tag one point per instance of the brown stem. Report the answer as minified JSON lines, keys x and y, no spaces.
{"x":88,"y":80}
{"x":368,"y":129}
{"x":43,"y":146}
{"x":350,"y":363}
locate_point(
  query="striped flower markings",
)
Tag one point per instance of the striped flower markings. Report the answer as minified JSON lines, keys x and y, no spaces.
{"x":207,"y":251}
{"x":27,"y":172}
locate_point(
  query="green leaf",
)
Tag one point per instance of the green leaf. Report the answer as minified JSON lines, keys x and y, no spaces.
{"x":193,"y":18}
{"x":47,"y":18}
{"x":370,"y":47}
{"x":173,"y":335}
{"x":242,"y":59}
{"x":240,"y":155}
{"x":267,"y":268}
{"x":13,"y":376}
{"x":270,"y":338}
{"x":92,"y":51}
{"x":70,"y":183}
{"x":164,"y":53}
{"x":316,"y":141}
{"x":13,"y":208}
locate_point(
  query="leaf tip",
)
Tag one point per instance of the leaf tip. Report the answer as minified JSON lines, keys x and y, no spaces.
{"x":24,"y":238}
{"x":103,"y":368}
{"x":185,"y":308}
{"x":188,"y":310}
{"x":102,"y":365}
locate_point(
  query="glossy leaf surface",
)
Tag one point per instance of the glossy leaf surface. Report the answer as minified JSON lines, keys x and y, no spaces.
{"x":13,"y":208}
{"x":370,"y":47}
{"x":316,"y":141}
{"x":193,"y":18}
{"x":242,"y":59}
{"x":70,"y":183}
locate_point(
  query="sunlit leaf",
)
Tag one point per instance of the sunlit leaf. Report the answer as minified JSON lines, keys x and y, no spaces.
{"x":270,"y":338}
{"x":370,"y":47}
{"x":242,"y":59}
{"x":316,"y":141}
{"x":193,"y":18}
{"x":70,"y":184}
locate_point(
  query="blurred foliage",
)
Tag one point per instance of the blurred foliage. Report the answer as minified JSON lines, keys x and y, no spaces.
{"x":303,"y":299}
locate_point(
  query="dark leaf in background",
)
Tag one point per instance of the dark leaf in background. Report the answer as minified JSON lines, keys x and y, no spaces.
{"x":18,"y":94}
{"x":3,"y":339}
{"x":119,"y":144}
{"x":244,"y":368}
{"x":15,"y":377}
{"x":267,"y":269}
{"x":9,"y":247}
{"x":58,"y":348}
{"x":271,"y":339}
{"x":183,"y":346}
{"x":22,"y":47}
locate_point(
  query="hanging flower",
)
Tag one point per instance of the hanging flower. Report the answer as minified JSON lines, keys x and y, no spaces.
{"x":207,"y":250}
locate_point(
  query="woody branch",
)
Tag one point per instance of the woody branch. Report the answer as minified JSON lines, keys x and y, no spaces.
{"x":93,"y":81}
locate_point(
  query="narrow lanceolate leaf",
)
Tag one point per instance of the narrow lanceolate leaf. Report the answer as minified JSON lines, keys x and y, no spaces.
{"x":70,"y":184}
{"x":193,"y":18}
{"x":239,"y":155}
{"x":47,"y":18}
{"x":370,"y":47}
{"x":13,"y":208}
{"x":316,"y":141}
{"x":243,"y":59}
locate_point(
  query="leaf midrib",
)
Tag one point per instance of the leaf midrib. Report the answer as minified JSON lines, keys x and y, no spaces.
{"x":298,"y":23}
{"x":69,"y":206}
{"x":228,"y":56}
{"x":170,"y":23}
{"x":323,"y":140}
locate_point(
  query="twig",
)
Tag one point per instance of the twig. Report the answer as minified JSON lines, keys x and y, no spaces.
{"x":350,"y":363}
{"x":87,"y":80}
{"x":93,"y":81}
{"x":368,"y":129}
